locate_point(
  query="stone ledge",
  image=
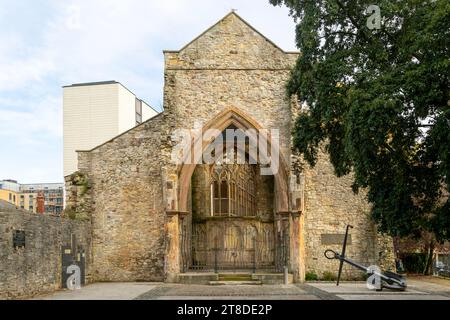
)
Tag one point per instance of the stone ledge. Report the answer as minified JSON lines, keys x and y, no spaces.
{"x":235,"y":283}
{"x":197,"y":278}
{"x":272,"y":278}
{"x":171,"y":213}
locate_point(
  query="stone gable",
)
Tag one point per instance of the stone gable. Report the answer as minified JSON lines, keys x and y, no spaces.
{"x":230,"y":44}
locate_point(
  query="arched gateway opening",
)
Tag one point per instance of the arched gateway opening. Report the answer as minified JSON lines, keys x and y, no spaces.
{"x":233,"y":221}
{"x":230,"y":217}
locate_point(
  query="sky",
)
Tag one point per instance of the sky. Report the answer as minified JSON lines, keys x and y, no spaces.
{"x":47,"y":44}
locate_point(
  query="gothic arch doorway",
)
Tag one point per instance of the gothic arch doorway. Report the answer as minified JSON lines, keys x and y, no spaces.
{"x":236,"y":118}
{"x":232,"y":212}
{"x":233,"y":221}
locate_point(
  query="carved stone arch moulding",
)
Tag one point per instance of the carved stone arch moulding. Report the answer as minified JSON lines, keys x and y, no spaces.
{"x":239,"y":119}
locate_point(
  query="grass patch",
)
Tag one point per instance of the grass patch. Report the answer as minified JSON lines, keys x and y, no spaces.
{"x":311,"y":276}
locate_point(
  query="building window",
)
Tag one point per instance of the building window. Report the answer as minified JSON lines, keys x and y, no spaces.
{"x":233,"y":191}
{"x":138,"y":107}
{"x":221,"y":198}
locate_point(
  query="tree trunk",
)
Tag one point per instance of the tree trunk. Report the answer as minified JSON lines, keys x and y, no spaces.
{"x":430,"y":251}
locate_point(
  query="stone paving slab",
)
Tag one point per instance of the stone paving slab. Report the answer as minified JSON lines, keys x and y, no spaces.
{"x":358,"y":288}
{"x":441,"y":286}
{"x":417,"y":290}
{"x":103,"y":291}
{"x":285,"y":297}
{"x":392,"y":297}
{"x":278,"y":292}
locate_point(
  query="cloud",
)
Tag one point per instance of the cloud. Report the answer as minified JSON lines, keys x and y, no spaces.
{"x":92,"y":39}
{"x":31,"y":135}
{"x":47,"y":44}
{"x":31,"y":123}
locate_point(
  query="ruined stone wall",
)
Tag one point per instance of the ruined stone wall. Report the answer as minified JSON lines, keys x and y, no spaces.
{"x":264,"y":196}
{"x":37,"y":268}
{"x":230,"y":44}
{"x":197,"y":96}
{"x":230,"y":65}
{"x":330,"y":205}
{"x":201,"y":192}
{"x":127,"y":178}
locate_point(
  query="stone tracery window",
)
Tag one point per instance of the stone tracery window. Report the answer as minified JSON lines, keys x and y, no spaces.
{"x":233,"y":190}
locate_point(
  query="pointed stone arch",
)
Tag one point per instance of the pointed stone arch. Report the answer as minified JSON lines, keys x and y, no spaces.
{"x":226,"y":118}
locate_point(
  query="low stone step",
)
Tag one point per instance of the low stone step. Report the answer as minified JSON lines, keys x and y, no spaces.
{"x":272,"y":278}
{"x":235,"y":283}
{"x":197,"y":278}
{"x":235,"y":277}
{"x":207,"y":277}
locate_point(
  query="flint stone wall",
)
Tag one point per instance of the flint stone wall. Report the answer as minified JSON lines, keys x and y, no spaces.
{"x":36,"y":268}
{"x":330,"y":205}
{"x":127,"y":177}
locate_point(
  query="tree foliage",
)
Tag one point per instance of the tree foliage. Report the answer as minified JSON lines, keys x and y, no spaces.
{"x":380,"y":100}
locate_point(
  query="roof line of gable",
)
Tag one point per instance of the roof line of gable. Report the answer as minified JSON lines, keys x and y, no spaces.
{"x":121,"y":134}
{"x":240,"y":18}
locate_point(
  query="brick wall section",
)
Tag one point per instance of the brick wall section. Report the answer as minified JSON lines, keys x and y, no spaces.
{"x":36,"y":269}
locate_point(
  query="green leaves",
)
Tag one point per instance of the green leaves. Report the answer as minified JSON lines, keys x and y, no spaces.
{"x":380,"y":100}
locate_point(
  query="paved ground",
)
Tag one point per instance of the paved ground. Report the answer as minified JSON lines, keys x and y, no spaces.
{"x":418,"y":289}
{"x":103,"y":291}
{"x":227,"y":292}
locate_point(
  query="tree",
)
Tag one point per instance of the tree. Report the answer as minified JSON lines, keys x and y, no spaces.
{"x":379,"y":100}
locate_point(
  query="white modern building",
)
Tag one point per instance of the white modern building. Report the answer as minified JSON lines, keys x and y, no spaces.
{"x":95,"y":113}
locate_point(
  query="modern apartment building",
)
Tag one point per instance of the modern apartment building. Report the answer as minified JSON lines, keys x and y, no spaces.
{"x":53,"y":194}
{"x":95,"y":113}
{"x":25,"y":196}
{"x":9,"y":191}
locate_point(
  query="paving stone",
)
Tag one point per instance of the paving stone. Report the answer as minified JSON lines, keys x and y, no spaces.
{"x":164,"y":291}
{"x":393,"y":297}
{"x":278,"y":291}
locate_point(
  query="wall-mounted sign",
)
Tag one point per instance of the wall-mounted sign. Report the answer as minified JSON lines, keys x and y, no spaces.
{"x":334,"y":238}
{"x":19,"y":239}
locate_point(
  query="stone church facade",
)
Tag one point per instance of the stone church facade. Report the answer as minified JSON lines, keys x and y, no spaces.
{"x":155,"y":220}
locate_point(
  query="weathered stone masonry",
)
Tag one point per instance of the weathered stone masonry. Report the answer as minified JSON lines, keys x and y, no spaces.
{"x":128,"y":177}
{"x":37,"y":268}
{"x":136,"y":198}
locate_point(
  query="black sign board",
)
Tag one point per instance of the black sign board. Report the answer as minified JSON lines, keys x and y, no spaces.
{"x":19,"y":239}
{"x":73,"y":255}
